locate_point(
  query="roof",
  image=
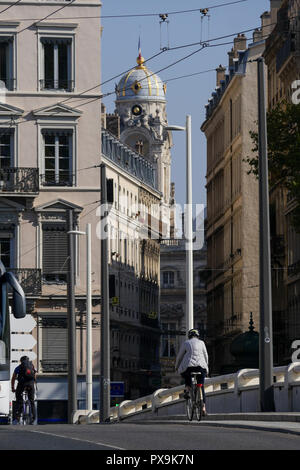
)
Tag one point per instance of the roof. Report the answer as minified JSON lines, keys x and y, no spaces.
{"x":140,"y":84}
{"x":238,"y":69}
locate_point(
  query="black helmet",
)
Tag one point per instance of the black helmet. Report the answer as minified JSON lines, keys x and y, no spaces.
{"x":193,"y":332}
{"x":24,"y":358}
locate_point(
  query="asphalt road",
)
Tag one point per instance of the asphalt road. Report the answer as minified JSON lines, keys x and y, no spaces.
{"x":128,"y":436}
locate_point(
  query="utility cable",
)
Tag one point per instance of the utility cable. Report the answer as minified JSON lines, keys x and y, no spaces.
{"x":138,"y":15}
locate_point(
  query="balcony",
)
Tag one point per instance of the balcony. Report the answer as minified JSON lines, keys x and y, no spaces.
{"x":148,"y":321}
{"x":21,"y":181}
{"x":30,"y":280}
{"x":57,"y":85}
{"x":64,"y":179}
{"x":294,"y":269}
{"x":127,"y":159}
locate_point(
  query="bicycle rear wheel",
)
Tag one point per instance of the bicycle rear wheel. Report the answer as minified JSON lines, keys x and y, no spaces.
{"x":189,"y":408}
{"x":199,"y":404}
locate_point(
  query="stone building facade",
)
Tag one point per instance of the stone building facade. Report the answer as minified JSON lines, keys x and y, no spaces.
{"x":50,"y":143}
{"x":232,"y":202}
{"x":282,"y":57}
{"x":133,"y":269}
{"x":173,"y":302}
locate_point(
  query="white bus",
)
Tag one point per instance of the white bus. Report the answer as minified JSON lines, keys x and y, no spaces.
{"x":8,"y":281}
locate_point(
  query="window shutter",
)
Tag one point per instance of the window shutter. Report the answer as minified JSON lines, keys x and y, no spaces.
{"x":54,"y":345}
{"x":55,"y":250}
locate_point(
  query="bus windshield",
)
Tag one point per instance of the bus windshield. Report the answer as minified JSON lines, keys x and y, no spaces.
{"x":7,"y":279}
{"x":4,"y":333}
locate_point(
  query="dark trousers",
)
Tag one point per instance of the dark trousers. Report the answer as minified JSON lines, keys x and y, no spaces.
{"x":19,"y":398}
{"x":200,"y":378}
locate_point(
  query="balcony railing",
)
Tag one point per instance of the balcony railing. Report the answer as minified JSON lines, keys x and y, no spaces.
{"x":19,"y":180}
{"x":148,"y":321}
{"x":57,"y":85}
{"x":294,"y":269}
{"x":30,"y":280}
{"x":61,"y":180}
{"x":128,"y":159}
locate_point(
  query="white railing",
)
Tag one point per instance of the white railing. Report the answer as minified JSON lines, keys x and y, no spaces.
{"x":232,"y":393}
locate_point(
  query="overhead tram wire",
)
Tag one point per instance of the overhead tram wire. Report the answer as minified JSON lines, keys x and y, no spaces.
{"x":112,"y":92}
{"x":10,"y":6}
{"x":192,"y":45}
{"x":204,"y":46}
{"x":139,"y":15}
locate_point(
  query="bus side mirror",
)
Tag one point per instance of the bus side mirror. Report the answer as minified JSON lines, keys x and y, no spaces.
{"x":18,"y":300}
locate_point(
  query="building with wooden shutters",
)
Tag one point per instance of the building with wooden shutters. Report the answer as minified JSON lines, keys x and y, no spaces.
{"x":50,"y":145}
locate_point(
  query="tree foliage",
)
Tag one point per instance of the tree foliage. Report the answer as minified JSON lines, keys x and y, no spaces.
{"x":283,"y":124}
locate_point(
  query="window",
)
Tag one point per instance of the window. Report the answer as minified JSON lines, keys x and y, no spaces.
{"x":6,"y":237}
{"x":56,"y":69}
{"x":168,"y":340}
{"x":168,"y":279}
{"x":6,"y":148}
{"x":54,"y":344}
{"x":6,"y":62}
{"x":55,"y":253}
{"x":57,"y":158}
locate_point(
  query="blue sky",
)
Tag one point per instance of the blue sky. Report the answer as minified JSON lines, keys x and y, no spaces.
{"x":187,"y":95}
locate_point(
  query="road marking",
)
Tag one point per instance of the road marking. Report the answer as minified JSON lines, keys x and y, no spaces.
{"x":78,"y":439}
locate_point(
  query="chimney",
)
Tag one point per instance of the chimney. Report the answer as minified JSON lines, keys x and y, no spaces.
{"x":257,"y":35}
{"x":275,"y":5}
{"x":113,"y":124}
{"x":240,"y":44}
{"x":230,"y":57}
{"x":266,"y":27}
{"x":220,"y":74}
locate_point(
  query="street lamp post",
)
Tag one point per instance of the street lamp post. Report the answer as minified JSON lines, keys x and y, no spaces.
{"x":188,"y":223}
{"x":265,"y":334}
{"x":89,"y":367}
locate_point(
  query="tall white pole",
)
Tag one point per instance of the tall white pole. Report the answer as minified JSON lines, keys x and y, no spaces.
{"x":189,"y":229}
{"x":89,"y":370}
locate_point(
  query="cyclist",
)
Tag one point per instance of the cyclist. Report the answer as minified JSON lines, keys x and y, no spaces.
{"x":192,"y":357}
{"x":25,"y":374}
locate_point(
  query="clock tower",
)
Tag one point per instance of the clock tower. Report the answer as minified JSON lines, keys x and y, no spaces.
{"x":141,"y":105}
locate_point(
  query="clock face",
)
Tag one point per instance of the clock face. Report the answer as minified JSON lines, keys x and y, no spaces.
{"x":136,"y":110}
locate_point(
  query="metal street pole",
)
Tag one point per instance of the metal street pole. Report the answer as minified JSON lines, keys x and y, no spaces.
{"x":266,"y":330}
{"x":89,"y":365}
{"x":189,"y":229}
{"x":72,"y":371}
{"x":89,"y":371}
{"x":188,"y":223}
{"x":105,"y":327}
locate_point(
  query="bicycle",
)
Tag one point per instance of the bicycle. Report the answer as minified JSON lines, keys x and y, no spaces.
{"x":26,"y":415}
{"x":195,"y":400}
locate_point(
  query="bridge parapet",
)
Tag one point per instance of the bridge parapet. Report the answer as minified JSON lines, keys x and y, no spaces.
{"x":232,"y":393}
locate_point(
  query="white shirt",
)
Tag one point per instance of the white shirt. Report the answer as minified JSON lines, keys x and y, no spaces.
{"x":192,"y":353}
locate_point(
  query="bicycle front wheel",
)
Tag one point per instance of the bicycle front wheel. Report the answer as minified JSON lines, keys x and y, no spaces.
{"x":27,"y":413}
{"x":189,"y":408}
{"x":199,"y":404}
